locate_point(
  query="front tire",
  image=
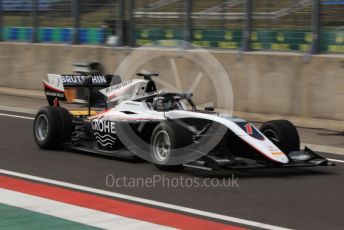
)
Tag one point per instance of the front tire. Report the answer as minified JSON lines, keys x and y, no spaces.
{"x":283,"y":134}
{"x":166,"y":138}
{"x":52,"y":126}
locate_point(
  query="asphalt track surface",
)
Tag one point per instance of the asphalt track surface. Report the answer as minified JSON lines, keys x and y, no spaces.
{"x":308,"y":198}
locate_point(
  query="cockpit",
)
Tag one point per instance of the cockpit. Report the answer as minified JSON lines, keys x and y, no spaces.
{"x":145,"y":91}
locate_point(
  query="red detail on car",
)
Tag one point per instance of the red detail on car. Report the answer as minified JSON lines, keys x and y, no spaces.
{"x":248,"y":128}
{"x":51,"y":88}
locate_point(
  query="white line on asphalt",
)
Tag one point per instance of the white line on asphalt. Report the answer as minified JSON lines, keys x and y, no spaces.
{"x":335,"y":160}
{"x":22,"y":117}
{"x":66,"y":211}
{"x":17,"y":109}
{"x":324,"y":148}
{"x":145,"y":201}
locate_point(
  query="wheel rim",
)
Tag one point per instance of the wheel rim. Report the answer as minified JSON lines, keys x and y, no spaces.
{"x":41,"y":127}
{"x":161,"y":145}
{"x":272,"y":135}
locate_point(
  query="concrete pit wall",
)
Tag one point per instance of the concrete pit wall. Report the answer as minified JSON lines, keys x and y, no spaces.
{"x":265,"y":83}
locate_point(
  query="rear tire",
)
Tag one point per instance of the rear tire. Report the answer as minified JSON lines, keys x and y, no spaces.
{"x":167,"y":137}
{"x":66,"y":124}
{"x":52,"y":126}
{"x":283,"y":134}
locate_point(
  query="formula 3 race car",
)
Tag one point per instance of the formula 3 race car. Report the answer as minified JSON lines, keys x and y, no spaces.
{"x":165,"y":128}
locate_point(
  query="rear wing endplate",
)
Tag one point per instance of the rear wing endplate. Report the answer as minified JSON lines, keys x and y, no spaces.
{"x":54,"y":88}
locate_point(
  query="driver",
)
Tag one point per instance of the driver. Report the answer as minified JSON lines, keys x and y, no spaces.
{"x":164,"y":104}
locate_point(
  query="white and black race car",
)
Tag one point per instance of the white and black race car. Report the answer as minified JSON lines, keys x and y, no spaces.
{"x":166,"y":128}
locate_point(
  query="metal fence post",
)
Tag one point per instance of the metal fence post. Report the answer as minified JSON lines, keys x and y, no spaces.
{"x":35,"y":21}
{"x":120,"y":21}
{"x":1,"y":23}
{"x":246,"y":43}
{"x":76,"y":21}
{"x":315,"y":27}
{"x":223,"y":11}
{"x":188,"y":20}
{"x":131,"y":23}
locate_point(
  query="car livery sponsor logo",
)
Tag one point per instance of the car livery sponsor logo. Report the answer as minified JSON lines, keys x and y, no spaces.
{"x":104,"y":126}
{"x":132,"y":103}
{"x":53,"y":94}
{"x":118,"y":86}
{"x":104,"y":133}
{"x":273,"y":148}
{"x":78,"y":79}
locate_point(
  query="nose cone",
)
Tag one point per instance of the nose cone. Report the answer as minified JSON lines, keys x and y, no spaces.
{"x":280,"y":157}
{"x":267,"y":149}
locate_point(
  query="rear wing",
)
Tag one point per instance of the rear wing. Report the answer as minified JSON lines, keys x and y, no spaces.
{"x":54,"y":88}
